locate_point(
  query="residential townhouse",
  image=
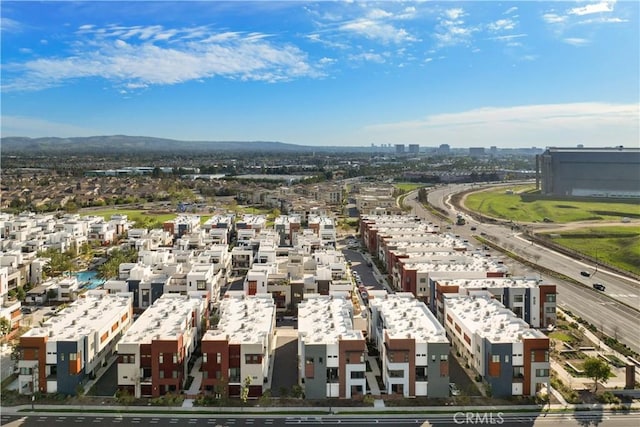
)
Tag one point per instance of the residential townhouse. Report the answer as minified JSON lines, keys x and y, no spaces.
{"x":530,"y":299}
{"x":182,"y":224}
{"x":325,"y":228}
{"x":60,"y":355}
{"x":413,"y":346}
{"x":154,"y":354}
{"x":218,"y":229}
{"x":287,"y":228}
{"x":331,"y":353}
{"x":236,"y":353}
{"x":509,"y":355}
{"x":417,"y":274}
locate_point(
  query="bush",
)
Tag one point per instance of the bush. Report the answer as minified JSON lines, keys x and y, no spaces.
{"x":608,"y":397}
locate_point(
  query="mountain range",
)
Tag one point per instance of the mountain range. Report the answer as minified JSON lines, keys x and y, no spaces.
{"x":138,"y":144}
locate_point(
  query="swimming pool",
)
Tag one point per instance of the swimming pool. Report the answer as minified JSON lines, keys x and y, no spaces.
{"x":89,"y":279}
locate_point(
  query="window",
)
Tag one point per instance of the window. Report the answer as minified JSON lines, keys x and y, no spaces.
{"x":253,"y":359}
{"x":357,"y":374}
{"x":518,"y":372}
{"x":495,"y":358}
{"x":161,"y":373}
{"x":396,"y":373}
{"x":421,"y":373}
{"x":533,"y":355}
{"x":201,"y":285}
{"x":73,"y":356}
{"x":204,"y":357}
{"x":542,"y":373}
{"x":218,"y":357}
{"x":506,"y":359}
{"x":546,"y":355}
{"x":423,"y":280}
{"x":62,"y":357}
{"x":161,"y":358}
{"x":518,"y":298}
{"x":175,"y":357}
{"x":444,"y":357}
{"x":174,"y":374}
{"x":550,"y":309}
{"x":550,"y":298}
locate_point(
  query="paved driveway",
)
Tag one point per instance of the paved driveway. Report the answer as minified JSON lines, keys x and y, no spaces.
{"x":285,"y":365}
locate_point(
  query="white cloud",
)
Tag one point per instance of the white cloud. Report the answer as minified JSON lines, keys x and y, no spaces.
{"x":511,"y":10}
{"x":451,"y":29}
{"x":9,"y":25}
{"x":137,"y":57}
{"x":501,"y":25}
{"x":377,"y":30}
{"x":604,"y":6}
{"x":576,"y":41}
{"x":552,"y":18}
{"x":34,"y":128}
{"x":368,"y":56}
{"x":591,"y":124}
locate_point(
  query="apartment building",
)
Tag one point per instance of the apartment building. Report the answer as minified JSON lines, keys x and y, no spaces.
{"x":413,"y":346}
{"x":529,"y":299}
{"x":509,"y":355}
{"x":236,"y":353}
{"x":153,"y":355}
{"x":331,"y":352}
{"x":59,"y":355}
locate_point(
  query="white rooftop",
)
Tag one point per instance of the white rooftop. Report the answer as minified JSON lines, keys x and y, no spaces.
{"x":84,"y":316}
{"x":167,"y":318}
{"x":492,"y":283}
{"x":326,"y":319}
{"x":489,"y":319}
{"x":406,"y":317}
{"x":244,"y":319}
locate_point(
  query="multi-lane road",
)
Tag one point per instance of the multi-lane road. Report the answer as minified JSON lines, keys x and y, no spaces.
{"x":577,"y":419}
{"x":615,"y":311}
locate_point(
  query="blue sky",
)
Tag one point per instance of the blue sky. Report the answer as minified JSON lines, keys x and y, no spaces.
{"x":510,"y":74}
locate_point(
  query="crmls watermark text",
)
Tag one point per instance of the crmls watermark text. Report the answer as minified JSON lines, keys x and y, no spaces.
{"x":480,"y":418}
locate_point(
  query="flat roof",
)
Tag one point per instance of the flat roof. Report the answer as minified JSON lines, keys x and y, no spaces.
{"x":406,"y":317}
{"x":492,"y":283}
{"x":325,"y":319}
{"x":84,"y":316}
{"x":167,"y":318}
{"x":244,"y":319}
{"x":489,"y":318}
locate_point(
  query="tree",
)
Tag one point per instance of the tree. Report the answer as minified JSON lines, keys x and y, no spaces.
{"x":5,"y":326}
{"x":244,"y":391}
{"x":597,"y":369}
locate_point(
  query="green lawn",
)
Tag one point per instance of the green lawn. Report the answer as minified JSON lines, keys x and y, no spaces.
{"x":561,"y":336}
{"x":137,"y":215}
{"x":619,"y":246}
{"x":408,"y":186}
{"x":507,"y":204}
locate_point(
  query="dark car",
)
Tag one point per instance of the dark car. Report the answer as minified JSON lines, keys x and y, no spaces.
{"x":585,"y":273}
{"x":473,"y":228}
{"x":598,"y":286}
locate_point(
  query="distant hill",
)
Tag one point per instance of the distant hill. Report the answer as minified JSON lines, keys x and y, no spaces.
{"x":131,"y":144}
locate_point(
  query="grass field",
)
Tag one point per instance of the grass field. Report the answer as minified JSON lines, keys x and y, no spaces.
{"x":619,"y":246}
{"x":499,"y":203}
{"x":408,"y":186}
{"x":140,"y":216}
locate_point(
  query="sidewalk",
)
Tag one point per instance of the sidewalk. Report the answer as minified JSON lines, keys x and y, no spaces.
{"x":203,"y":412}
{"x":194,"y":388}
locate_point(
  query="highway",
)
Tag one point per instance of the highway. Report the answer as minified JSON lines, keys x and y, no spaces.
{"x":576,"y":419}
{"x":615,"y":311}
